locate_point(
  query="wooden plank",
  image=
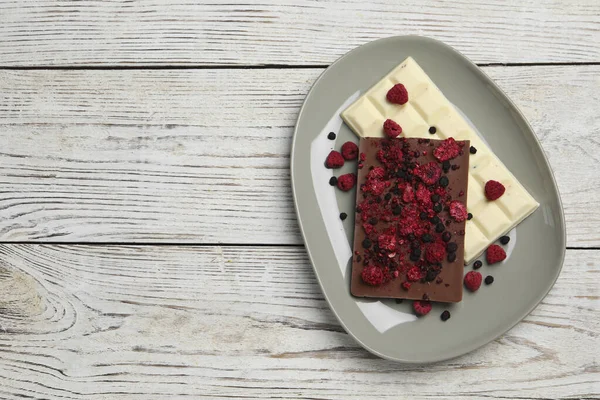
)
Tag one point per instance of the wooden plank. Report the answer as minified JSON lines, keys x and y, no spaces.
{"x":202,"y":156}
{"x":148,"y":322}
{"x":308,"y":32}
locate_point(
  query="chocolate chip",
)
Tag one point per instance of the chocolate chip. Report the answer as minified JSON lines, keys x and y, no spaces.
{"x":396,"y":191}
{"x":423,"y":216}
{"x":333,"y":181}
{"x":411,"y":236}
{"x":437,"y":208}
{"x":398,"y":301}
{"x":439,"y":228}
{"x":431,"y":274}
{"x":388,"y":196}
{"x":489,"y":280}
{"x":366,"y":243}
{"x":414,"y":258}
{"x":426,"y":238}
{"x":477,"y":264}
{"x":504,"y":239}
{"x":401,"y":174}
{"x":331,"y":136}
{"x":445,"y":316}
{"x":444,"y":181}
{"x":469,"y":216}
{"x":416,"y":251}
{"x":472,"y":150}
{"x":446,"y":166}
{"x":397,"y":210}
{"x":451,"y":247}
{"x":435,"y":220}
{"x":435,"y":198}
{"x":432,"y":130}
{"x":446,"y":236}
{"x":415,"y":245}
{"x":451,"y":257}
{"x":343,"y":216}
{"x":373,"y":221}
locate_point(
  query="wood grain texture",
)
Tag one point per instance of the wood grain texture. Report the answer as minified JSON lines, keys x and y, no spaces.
{"x":159,"y":32}
{"x":99,"y":322}
{"x":202,"y":156}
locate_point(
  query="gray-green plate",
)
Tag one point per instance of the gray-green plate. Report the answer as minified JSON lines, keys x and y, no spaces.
{"x":535,"y":253}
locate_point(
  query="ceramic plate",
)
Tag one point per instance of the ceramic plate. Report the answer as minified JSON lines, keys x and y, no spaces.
{"x":535,"y":253}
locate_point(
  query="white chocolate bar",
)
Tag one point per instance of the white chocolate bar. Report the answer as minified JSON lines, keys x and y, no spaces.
{"x":427,"y":107}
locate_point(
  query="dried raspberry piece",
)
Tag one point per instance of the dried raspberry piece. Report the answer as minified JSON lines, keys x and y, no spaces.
{"x":391,"y":128}
{"x":380,"y":156}
{"x":387,"y":242}
{"x":346,"y":182}
{"x":372,"y":275}
{"x":494,"y":189}
{"x":414,"y":274}
{"x":376,"y":173}
{"x":429,"y":173}
{"x":374,"y":186}
{"x":423,"y":195}
{"x":408,"y":195}
{"x":397,"y":94}
{"x":473,"y":280}
{"x":458,"y":211}
{"x":447,"y":150}
{"x":406,"y":285}
{"x":435,"y":253}
{"x":334,"y":160}
{"x":349,"y":151}
{"x":495,"y":254}
{"x":422,"y":307}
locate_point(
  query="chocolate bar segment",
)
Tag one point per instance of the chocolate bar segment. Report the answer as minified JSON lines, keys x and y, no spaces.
{"x":410,"y":219}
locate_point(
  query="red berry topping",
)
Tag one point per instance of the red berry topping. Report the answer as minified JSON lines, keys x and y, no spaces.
{"x":458,"y":211}
{"x":372,"y":275}
{"x":397,"y":94}
{"x":495,"y":254}
{"x":408,"y":195}
{"x":473,"y":280}
{"x":374,"y":186}
{"x":349,"y":151}
{"x":387,"y":242}
{"x":435,"y":253}
{"x":422,"y":307}
{"x":334,"y":160}
{"x":494,"y":190}
{"x":391,"y":128}
{"x":376,"y":173}
{"x":447,"y":150}
{"x":429,"y":173}
{"x":406,"y":285}
{"x":414,"y":274}
{"x":346,"y":182}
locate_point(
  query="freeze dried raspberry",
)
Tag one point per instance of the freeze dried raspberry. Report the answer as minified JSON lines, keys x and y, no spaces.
{"x":374,"y":186}
{"x":414,"y":274}
{"x":429,"y":173}
{"x":350,"y":151}
{"x":458,"y":211}
{"x":391,"y":128}
{"x":334,"y":160}
{"x":423,"y":195}
{"x":495,"y":254}
{"x":380,"y":156}
{"x":447,"y":150}
{"x":376,"y":173}
{"x":422,"y":307}
{"x":372,"y":275}
{"x":494,"y":189}
{"x":406,"y":285}
{"x":387,"y":242}
{"x":346,"y":182}
{"x":408,"y":195}
{"x":397,"y":94}
{"x":473,"y":280}
{"x":435,"y":253}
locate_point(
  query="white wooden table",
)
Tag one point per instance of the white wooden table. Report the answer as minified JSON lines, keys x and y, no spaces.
{"x":149,"y":246}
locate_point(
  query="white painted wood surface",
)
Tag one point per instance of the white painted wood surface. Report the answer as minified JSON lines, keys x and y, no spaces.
{"x":202,"y":156}
{"x":114,"y":322}
{"x":159,"y":32}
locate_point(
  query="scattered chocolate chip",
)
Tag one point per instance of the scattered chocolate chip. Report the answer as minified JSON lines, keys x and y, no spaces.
{"x":366,"y":243}
{"x":437,"y":208}
{"x":388,"y":196}
{"x":445,"y":316}
{"x":401,"y":174}
{"x":398,"y":301}
{"x":432,"y":130}
{"x":446,"y":166}
{"x":397,"y":210}
{"x":431,"y":274}
{"x":435,"y":220}
{"x":477,"y":264}
{"x":343,"y":216}
{"x":373,"y":221}
{"x":489,"y":280}
{"x":446,"y":236}
{"x":439,"y":228}
{"x":396,"y":191}
{"x":416,"y":251}
{"x":472,"y":150}
{"x":423,"y":216}
{"x":333,"y":181}
{"x":451,"y":247}
{"x":451,"y":257}
{"x":414,"y":258}
{"x":435,"y":198}
{"x":444,"y":181}
{"x":469,"y":216}
{"x":331,"y":136}
{"x":411,"y":237}
{"x":426,"y":238}
{"x":504,"y":239}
